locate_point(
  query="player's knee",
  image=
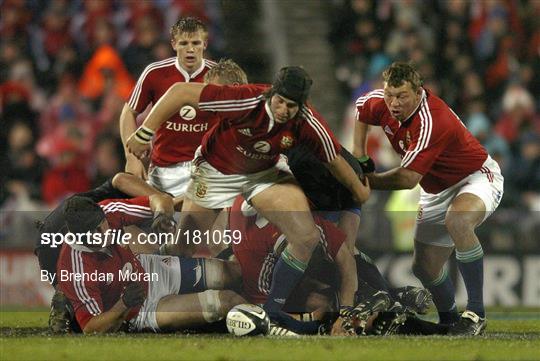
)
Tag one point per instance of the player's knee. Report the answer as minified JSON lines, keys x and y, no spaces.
{"x":215,"y":304}
{"x":459,"y":223}
{"x":210,"y":301}
{"x":308,"y":240}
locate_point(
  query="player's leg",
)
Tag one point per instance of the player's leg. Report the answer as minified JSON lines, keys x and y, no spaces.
{"x":176,"y":312}
{"x":285,"y":205}
{"x":466,"y":212}
{"x":194,"y":221}
{"x":429,"y":267}
{"x":476,"y":200}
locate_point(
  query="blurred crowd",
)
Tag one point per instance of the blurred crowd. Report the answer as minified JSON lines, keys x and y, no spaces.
{"x":481,"y":56}
{"x":66,"y":69}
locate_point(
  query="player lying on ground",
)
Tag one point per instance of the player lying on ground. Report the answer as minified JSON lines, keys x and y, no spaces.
{"x":111,"y":289}
{"x":461,"y":186}
{"x":121,"y":186}
{"x":253,"y":125}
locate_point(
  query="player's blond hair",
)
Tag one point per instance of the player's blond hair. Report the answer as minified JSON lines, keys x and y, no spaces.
{"x":400,"y":72}
{"x":189,"y":25}
{"x":226,"y":72}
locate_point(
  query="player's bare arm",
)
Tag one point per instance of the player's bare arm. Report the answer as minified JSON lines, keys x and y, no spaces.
{"x":395,"y":179}
{"x":360,"y":139}
{"x":343,"y":172}
{"x":172,"y":101}
{"x":111,"y":320}
{"x":128,"y":125}
{"x":133,"y":185}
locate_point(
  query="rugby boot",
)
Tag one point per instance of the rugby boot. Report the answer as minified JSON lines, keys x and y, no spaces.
{"x":414,"y":299}
{"x":469,"y":324}
{"x":61,"y":314}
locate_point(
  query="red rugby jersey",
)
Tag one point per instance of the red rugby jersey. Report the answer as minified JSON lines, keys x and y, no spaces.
{"x":259,"y":248}
{"x":88,"y":297}
{"x":248,"y":140}
{"x":433,"y":141}
{"x":92,"y":297}
{"x":178,"y":138}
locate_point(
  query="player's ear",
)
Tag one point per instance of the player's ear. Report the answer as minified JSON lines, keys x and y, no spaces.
{"x":205,"y":44}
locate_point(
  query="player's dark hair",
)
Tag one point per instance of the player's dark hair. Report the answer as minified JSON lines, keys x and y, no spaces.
{"x":292,"y":82}
{"x":188,"y":25}
{"x":226,"y":72}
{"x":82,"y":214}
{"x":400,"y":72}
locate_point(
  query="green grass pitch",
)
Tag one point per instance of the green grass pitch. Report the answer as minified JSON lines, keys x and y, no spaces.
{"x":511,"y":335}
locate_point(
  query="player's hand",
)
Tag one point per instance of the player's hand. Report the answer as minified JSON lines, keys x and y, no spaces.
{"x":139,"y":142}
{"x":133,"y":295}
{"x":343,"y":327}
{"x":163,"y":223}
{"x":135,"y":166}
{"x":367,"y":164}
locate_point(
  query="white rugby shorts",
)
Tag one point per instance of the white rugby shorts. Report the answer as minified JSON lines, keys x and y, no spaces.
{"x":212,"y":189}
{"x":167,"y":269}
{"x":173,"y":179}
{"x":487,"y":183}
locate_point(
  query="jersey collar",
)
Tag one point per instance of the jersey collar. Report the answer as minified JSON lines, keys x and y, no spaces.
{"x":422,"y":98}
{"x":185,"y":73}
{"x":271,"y":121}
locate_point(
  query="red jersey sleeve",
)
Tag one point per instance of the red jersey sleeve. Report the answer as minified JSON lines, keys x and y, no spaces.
{"x":84,"y":294}
{"x":125,"y":212}
{"x":332,"y":237}
{"x":367,"y":107}
{"x":142,"y":95}
{"x":232,"y":102}
{"x":316,"y":134}
{"x":428,"y":141}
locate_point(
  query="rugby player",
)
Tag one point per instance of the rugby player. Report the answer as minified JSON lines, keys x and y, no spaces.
{"x":170,"y":158}
{"x":110,"y":288}
{"x":240,"y":155}
{"x":461,"y":186}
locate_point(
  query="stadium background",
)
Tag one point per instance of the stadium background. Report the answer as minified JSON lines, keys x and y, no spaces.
{"x":66,"y":68}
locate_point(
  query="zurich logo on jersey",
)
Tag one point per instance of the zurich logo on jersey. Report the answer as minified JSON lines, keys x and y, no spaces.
{"x":187,"y":112}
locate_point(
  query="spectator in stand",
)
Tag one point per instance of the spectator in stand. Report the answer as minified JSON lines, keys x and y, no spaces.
{"x":107,"y":158}
{"x":518,"y":116}
{"x":22,"y":169}
{"x":67,"y":174}
{"x":140,"y":52}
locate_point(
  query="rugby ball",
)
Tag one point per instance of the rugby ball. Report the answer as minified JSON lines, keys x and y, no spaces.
{"x":247,"y":320}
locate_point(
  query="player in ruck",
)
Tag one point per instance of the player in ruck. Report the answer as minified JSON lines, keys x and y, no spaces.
{"x":240,"y":155}
{"x":108,"y":285}
{"x":461,"y":186}
{"x":122,"y":185}
{"x":170,"y":158}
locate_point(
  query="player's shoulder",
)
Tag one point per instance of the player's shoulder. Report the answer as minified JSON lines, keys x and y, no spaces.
{"x":375,"y":97}
{"x":238,"y":92}
{"x":435,"y":107}
{"x":159,"y":66}
{"x":138,"y":204}
{"x":209,"y":64}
